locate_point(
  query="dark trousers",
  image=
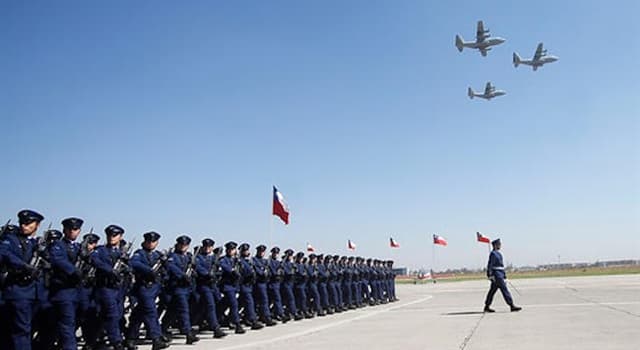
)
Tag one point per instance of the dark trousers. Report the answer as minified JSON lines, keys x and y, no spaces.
{"x":65,"y":312}
{"x":498,"y":283}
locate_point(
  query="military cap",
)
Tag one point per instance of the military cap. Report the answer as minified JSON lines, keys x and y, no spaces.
{"x":369,"y":260}
{"x":496,"y":241}
{"x":52,"y":235}
{"x":72,"y":223}
{"x":113,"y":230}
{"x":275,"y":250}
{"x":261,"y":248}
{"x":328,"y":257}
{"x":208,"y":242}
{"x":320,"y":256}
{"x":312,"y":256}
{"x":244,"y":247}
{"x":299,"y":255}
{"x":336,"y":257}
{"x":230,"y":245}
{"x":28,"y":216}
{"x":351,"y":258}
{"x":183,"y":240}
{"x":91,"y":238}
{"x":10,"y":229}
{"x":376,"y":261}
{"x":288,"y":252}
{"x":151,"y":236}
{"x":217,"y":250}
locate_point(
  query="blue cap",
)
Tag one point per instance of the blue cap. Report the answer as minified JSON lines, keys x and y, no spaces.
{"x":275,"y":250}
{"x":496,"y":241}
{"x":72,"y":223}
{"x":52,"y":235}
{"x":28,"y":216}
{"x":91,"y":238}
{"x":261,"y":248}
{"x":113,"y":230}
{"x":151,"y":236}
{"x":230,"y":245}
{"x":244,"y":247}
{"x":208,"y":242}
{"x":183,"y":240}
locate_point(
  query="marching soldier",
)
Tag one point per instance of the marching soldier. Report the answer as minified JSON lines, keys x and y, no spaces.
{"x":276,"y":277}
{"x":109,"y":284}
{"x":323,"y":278}
{"x":145,"y":265}
{"x":301,"y":278}
{"x":178,"y":265}
{"x":206,"y":280}
{"x":497,"y":275}
{"x":261,"y":266}
{"x":87,"y":307}
{"x":65,"y":280}
{"x":247,"y":279}
{"x":289,"y":270}
{"x":312,"y":284}
{"x":19,"y":291}
{"x":44,"y":312}
{"x":230,"y":280}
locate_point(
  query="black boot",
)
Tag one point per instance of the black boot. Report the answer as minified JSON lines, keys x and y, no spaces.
{"x":255,"y":325}
{"x":158,"y":344}
{"x":239,"y":329}
{"x":488,"y":309}
{"x":130,"y":344}
{"x":298,"y":317}
{"x":192,"y":338}
{"x":286,"y":318}
{"x":218,"y":333}
{"x":515,"y":308}
{"x":118,"y":346}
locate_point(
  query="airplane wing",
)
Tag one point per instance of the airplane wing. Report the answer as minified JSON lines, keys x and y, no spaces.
{"x":488,"y":88}
{"x":483,"y":52}
{"x":538,"y":53}
{"x":480,"y":32}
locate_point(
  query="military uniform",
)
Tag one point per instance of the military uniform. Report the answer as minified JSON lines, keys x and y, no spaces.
{"x":260,"y":293}
{"x":247,"y":279}
{"x":498,"y":276}
{"x":276,"y":278}
{"x":230,"y":267}
{"x":206,"y":285}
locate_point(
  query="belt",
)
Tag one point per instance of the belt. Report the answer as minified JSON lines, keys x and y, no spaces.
{"x":498,"y":268}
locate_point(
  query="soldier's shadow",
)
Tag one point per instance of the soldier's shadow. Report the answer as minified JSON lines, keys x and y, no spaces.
{"x":463,"y":313}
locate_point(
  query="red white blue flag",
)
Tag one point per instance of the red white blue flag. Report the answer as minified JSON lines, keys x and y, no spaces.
{"x":439,"y":240}
{"x":280,"y":208}
{"x":481,"y":238}
{"x":351,"y":245}
{"x":393,"y":243}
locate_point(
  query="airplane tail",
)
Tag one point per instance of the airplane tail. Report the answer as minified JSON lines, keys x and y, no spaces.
{"x":470,"y":93}
{"x":459,"y":43}
{"x":516,"y":59}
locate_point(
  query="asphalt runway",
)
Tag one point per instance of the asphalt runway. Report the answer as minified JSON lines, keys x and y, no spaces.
{"x":559,"y":313}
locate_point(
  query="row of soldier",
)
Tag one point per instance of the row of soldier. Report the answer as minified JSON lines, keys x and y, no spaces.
{"x":107,"y":293}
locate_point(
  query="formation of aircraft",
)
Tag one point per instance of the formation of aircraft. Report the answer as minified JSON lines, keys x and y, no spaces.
{"x":484,"y":43}
{"x":489,"y":92}
{"x":539,"y":59}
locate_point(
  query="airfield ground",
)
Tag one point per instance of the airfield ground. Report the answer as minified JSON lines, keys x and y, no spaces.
{"x":595,"y":312}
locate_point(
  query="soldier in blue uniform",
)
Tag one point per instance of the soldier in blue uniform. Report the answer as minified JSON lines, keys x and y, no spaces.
{"x":109,"y":283}
{"x":289,"y":270}
{"x":497,"y":275}
{"x":44,"y":313}
{"x":19,"y":291}
{"x":87,"y":306}
{"x":65,"y":281}
{"x":312,"y":285}
{"x":179,"y":267}
{"x":247,"y":279}
{"x":276,"y":278}
{"x":347,"y":282}
{"x":230,"y":281}
{"x":323,"y":279}
{"x":301,"y":279}
{"x":206,"y":285}
{"x":261,"y":267}
{"x":336,"y":270}
{"x":145,"y":265}
{"x":355,"y":282}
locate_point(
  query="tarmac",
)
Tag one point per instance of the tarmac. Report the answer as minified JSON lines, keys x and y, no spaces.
{"x":600,"y":312}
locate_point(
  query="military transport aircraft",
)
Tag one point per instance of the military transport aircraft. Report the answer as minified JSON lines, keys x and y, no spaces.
{"x":489,"y":92}
{"x":483,"y":42}
{"x":538,"y":60}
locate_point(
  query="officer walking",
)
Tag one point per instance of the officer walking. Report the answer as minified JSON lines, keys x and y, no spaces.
{"x":261,"y":266}
{"x":108,"y":284}
{"x":497,"y":275}
{"x":230,"y":279}
{"x":206,"y":280}
{"x":145,"y":264}
{"x":19,"y":291}
{"x":247,"y":279}
{"x":276,"y":278}
{"x":87,"y":307}
{"x":65,"y":281}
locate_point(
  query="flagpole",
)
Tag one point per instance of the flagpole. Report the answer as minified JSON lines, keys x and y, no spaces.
{"x":271,"y":231}
{"x":433,"y":260}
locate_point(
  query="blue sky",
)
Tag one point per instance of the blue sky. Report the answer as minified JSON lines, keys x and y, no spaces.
{"x":179,"y":118}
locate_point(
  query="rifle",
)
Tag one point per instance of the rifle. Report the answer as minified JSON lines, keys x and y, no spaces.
{"x":5,"y":227}
{"x":120,"y":265}
{"x":192,"y":264}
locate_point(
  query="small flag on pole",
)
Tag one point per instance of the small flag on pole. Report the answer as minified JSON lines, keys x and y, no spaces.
{"x":280,"y":208}
{"x":393,"y":243}
{"x":481,"y":238}
{"x":439,"y":240}
{"x":310,"y":248}
{"x":351,"y":245}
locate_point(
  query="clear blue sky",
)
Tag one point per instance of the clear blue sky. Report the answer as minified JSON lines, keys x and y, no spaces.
{"x":180,"y":117}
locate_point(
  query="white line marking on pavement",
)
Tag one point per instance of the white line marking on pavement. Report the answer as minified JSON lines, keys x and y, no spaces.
{"x":326,"y":326}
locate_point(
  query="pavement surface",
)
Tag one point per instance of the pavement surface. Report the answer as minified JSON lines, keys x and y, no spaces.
{"x":558,"y":313}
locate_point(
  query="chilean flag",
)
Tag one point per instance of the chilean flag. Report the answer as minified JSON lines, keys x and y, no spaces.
{"x":439,"y":240}
{"x":351,"y":245}
{"x":393,"y":243}
{"x":481,"y":238}
{"x":310,"y":248}
{"x":280,"y":208}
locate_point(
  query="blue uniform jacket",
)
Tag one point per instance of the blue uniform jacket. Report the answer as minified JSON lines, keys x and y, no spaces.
{"x":63,"y":255}
{"x":16,"y":253}
{"x":495,"y":267}
{"x":140,"y":263}
{"x":177,"y":265}
{"x":103,"y":259}
{"x":262,"y":269}
{"x":229,"y":275}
